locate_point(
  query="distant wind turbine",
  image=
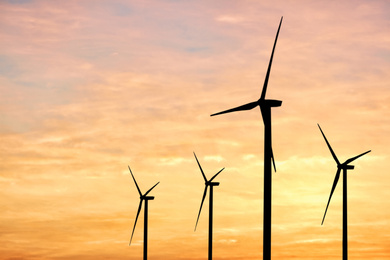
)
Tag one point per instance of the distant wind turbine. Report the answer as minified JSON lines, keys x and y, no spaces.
{"x":341,"y":166}
{"x":265,"y":108}
{"x":143,"y":197}
{"x":211,"y":184}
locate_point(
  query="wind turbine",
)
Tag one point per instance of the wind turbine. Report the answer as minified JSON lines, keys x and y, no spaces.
{"x":211,"y":184}
{"x":265,"y":108}
{"x":143,"y":197}
{"x":345,"y":167}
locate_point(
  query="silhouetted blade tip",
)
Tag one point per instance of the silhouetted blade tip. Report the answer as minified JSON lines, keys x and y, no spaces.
{"x":136,"y":218}
{"x":139,"y":191}
{"x":201,"y":205}
{"x":216,"y":174}
{"x":330,"y":148}
{"x":151,"y":189}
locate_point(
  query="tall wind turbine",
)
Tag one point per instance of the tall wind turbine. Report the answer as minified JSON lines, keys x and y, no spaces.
{"x":265,"y":108}
{"x":211,"y":184}
{"x":341,"y":166}
{"x":143,"y":197}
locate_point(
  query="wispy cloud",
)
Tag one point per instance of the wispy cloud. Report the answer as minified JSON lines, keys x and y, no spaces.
{"x":213,"y":158}
{"x":229,"y":19}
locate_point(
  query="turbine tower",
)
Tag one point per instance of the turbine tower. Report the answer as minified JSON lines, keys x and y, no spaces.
{"x":265,"y":108}
{"x":345,"y":167}
{"x":211,"y":184}
{"x":143,"y":197}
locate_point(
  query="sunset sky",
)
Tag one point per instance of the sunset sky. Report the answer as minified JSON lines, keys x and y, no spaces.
{"x":90,"y":87}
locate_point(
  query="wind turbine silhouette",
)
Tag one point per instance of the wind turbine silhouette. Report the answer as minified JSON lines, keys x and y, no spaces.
{"x":211,"y":184}
{"x":143,"y":197}
{"x":341,"y":166}
{"x":265,"y":108}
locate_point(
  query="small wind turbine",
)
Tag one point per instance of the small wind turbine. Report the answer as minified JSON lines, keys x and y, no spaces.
{"x":265,"y":108}
{"x":211,"y":184}
{"x":143,"y":197}
{"x":341,"y":166}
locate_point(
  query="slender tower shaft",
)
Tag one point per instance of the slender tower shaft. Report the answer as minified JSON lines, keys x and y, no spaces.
{"x":146,"y":231}
{"x":345,"y":216}
{"x":211,"y":224}
{"x":267,"y":185}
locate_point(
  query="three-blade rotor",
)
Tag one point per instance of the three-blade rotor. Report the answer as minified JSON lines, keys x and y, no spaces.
{"x":261,"y":102}
{"x":142,"y":198}
{"x":207,"y":184}
{"x":340,"y":166}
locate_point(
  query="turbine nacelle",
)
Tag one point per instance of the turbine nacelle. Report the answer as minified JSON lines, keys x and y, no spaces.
{"x":269,"y":102}
{"x":147,"y":197}
{"x":345,"y":167}
{"x":211,"y":183}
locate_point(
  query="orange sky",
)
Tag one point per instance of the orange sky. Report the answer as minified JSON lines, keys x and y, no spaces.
{"x":89,"y":87}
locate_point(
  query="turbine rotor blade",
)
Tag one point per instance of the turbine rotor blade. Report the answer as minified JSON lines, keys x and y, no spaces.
{"x":216,"y":174}
{"x":266,"y":118}
{"x":201,"y":204}
{"x":151,"y":189}
{"x":270,"y":63}
{"x":273,"y":159}
{"x":248,"y":106}
{"x":139,"y":191}
{"x":330,"y":148}
{"x":200,"y":167}
{"x":136,"y":218}
{"x":336,"y":179}
{"x":354,"y":158}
